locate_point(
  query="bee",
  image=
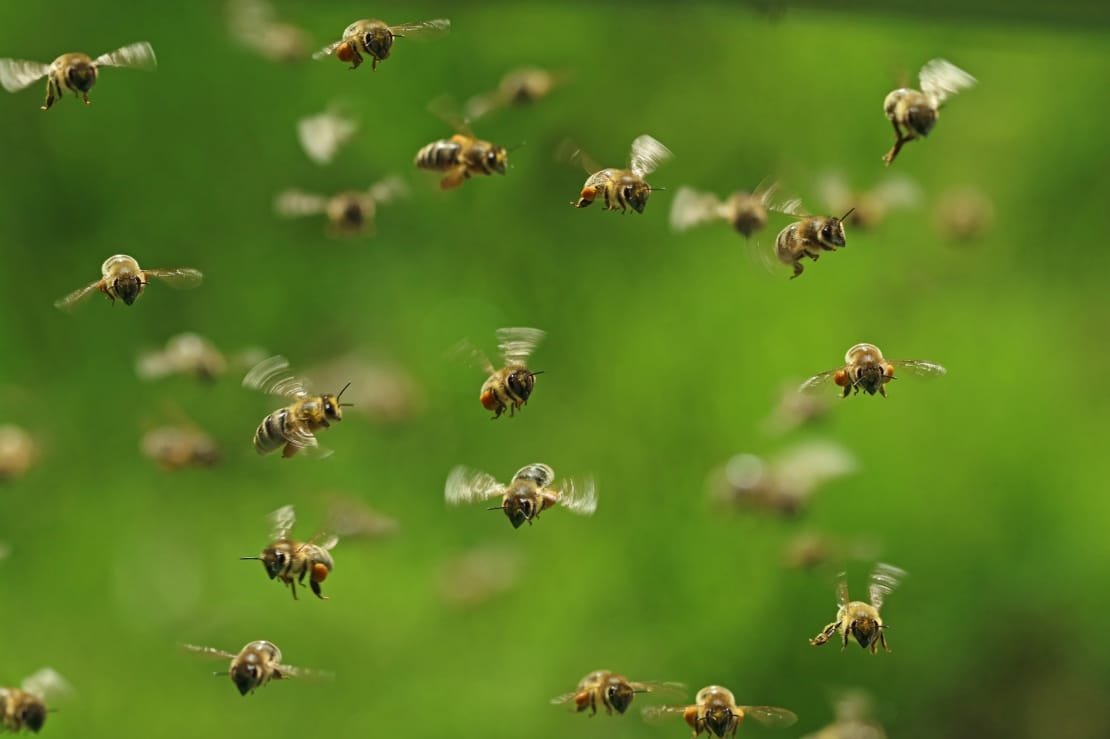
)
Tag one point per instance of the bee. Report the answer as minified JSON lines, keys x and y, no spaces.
{"x":744,"y":211}
{"x":913,"y":113}
{"x":864,"y":368}
{"x":519,"y":87}
{"x":530,"y":492}
{"x":350,"y":518}
{"x":870,"y":206}
{"x":612,"y":691}
{"x":25,"y":707}
{"x":807,"y":237}
{"x":375,"y":38}
{"x":349,"y":213}
{"x":853,"y":719}
{"x":795,"y":410}
{"x":715,"y":712}
{"x":382,"y":390}
{"x":186,"y":354}
{"x":861,"y":620}
{"x":254,"y":24}
{"x":623,"y":188}
{"x":289,"y":560}
{"x":293,"y":427}
{"x":177,"y":447}
{"x":476,"y":576}
{"x":510,"y":387}
{"x":123,"y":278}
{"x":73,"y":72}
{"x":784,"y":484}
{"x":18,"y":452}
{"x":255,"y":665}
{"x":323,"y":134}
{"x":463,"y":155}
{"x":810,"y":550}
{"x":963,"y":213}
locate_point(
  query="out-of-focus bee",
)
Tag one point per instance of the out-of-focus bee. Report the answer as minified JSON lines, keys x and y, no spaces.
{"x":375,"y":38}
{"x":519,"y":87}
{"x":784,"y":484}
{"x":479,"y":575}
{"x":530,"y":492}
{"x":25,"y":707}
{"x":350,"y":518}
{"x":715,"y":712}
{"x":177,"y":447}
{"x":807,"y":237}
{"x":293,"y":427}
{"x":75,"y":72}
{"x":349,"y":213}
{"x":194,"y":356}
{"x":612,"y":691}
{"x":913,"y":113}
{"x":254,"y":24}
{"x":123,"y":278}
{"x":18,"y":452}
{"x":255,"y":665}
{"x":963,"y":213}
{"x":623,"y":188}
{"x":322,"y":135}
{"x":811,"y":550}
{"x":381,"y":389}
{"x":744,"y":211}
{"x":795,"y":410}
{"x":865,"y":369}
{"x":860,"y":620}
{"x":510,"y":387}
{"x":853,"y":719}
{"x":869,"y":207}
{"x":289,"y":560}
{"x":463,"y":155}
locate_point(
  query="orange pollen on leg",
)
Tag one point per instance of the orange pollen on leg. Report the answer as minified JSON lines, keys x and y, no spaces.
{"x":582,"y":700}
{"x":841,"y":378}
{"x":488,"y":400}
{"x":690,"y":715}
{"x":345,"y":52}
{"x":319,"y":572}
{"x":888,"y":372}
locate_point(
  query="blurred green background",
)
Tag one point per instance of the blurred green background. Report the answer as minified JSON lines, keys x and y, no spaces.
{"x":665,"y":354}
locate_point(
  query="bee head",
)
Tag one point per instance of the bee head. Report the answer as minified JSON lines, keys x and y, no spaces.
{"x":521,"y":383}
{"x":749,"y":220}
{"x":128,"y":287}
{"x":378,"y":42}
{"x":871,"y":378}
{"x":33,"y":715}
{"x":718,"y":719}
{"x":245,"y":675}
{"x":921,"y":118}
{"x":636,"y":194}
{"x":352,"y":215}
{"x":273,"y":559}
{"x":866,"y":630}
{"x":518,"y":510}
{"x":497,"y":159}
{"x":81,"y":76}
{"x":832,"y":231}
{"x":620,"y":695}
{"x":332,"y":406}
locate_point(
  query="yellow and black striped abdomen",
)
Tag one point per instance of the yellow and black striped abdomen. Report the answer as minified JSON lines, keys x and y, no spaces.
{"x":271,"y":434}
{"x":440,"y":155}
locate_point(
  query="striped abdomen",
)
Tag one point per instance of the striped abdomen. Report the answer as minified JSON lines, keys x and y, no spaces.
{"x":272,"y":433}
{"x":440,"y":155}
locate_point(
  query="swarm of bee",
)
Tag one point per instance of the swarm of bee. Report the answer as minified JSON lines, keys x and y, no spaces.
{"x":375,"y":39}
{"x":866,"y":369}
{"x":519,"y":87}
{"x":784,"y":484}
{"x":745,"y":211}
{"x":177,"y":447}
{"x":622,"y":189}
{"x":508,"y":388}
{"x":349,"y":213}
{"x":255,"y":25}
{"x":76,"y":72}
{"x":612,"y":691}
{"x":913,"y":113}
{"x":462,"y":156}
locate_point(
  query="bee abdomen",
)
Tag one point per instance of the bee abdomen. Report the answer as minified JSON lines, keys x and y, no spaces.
{"x":270,"y":435}
{"x":439,"y":155}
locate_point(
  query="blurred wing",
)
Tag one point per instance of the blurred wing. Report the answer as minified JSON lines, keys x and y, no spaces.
{"x":298,"y":203}
{"x":817,"y":382}
{"x":564,"y":698}
{"x":480,"y":105}
{"x":178,"y":278}
{"x":692,"y":208}
{"x":791,"y":207}
{"x":834,"y":192}
{"x":578,"y":497}
{"x":656,"y":714}
{"x":472,"y":355}
{"x":842,"y":598}
{"x":771,"y":716}
{"x":919,"y":368}
{"x":663,"y":688}
{"x":324,"y":540}
{"x":15,"y":74}
{"x":272,"y":376}
{"x":133,"y":56}
{"x":445,"y":108}
{"x":568,"y":152}
{"x":388,"y":190}
{"x":303,"y":673}
{"x":281,"y":522}
{"x":941,"y":79}
{"x":647,"y":154}
{"x":208,"y":651}
{"x":897,"y":192}
{"x":70,"y":301}
{"x":322,"y":135}
{"x":806,"y":466}
{"x":327,"y":50}
{"x":884,"y":578}
{"x":46,"y":683}
{"x":436,"y":27}
{"x":152,"y":365}
{"x":465,"y":485}
{"x":517,"y":343}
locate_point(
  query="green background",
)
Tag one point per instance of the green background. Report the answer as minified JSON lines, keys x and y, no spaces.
{"x":665,"y":353}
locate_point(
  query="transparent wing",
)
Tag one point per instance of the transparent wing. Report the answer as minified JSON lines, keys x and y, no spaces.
{"x":152,"y":365}
{"x":178,"y":278}
{"x":133,"y":56}
{"x":569,"y":152}
{"x":325,"y":540}
{"x":884,"y":578}
{"x":70,"y":301}
{"x":298,"y":203}
{"x":578,"y":497}
{"x":15,"y":74}
{"x":646,"y":155}
{"x":436,"y":27}
{"x":473,"y":356}
{"x":304,"y":673}
{"x":465,"y":485}
{"x":842,"y":598}
{"x":818,"y":382}
{"x":446,"y":109}
{"x":517,"y":343}
{"x":693,"y":208}
{"x":771,"y":716}
{"x":940,"y":79}
{"x":322,"y":135}
{"x":327,"y":50}
{"x":920,"y":368}
{"x":272,"y":376}
{"x":656,"y":714}
{"x":388,"y":190}
{"x":306,"y":443}
{"x":564,"y":698}
{"x":480,"y":105}
{"x":46,"y":683}
{"x":281,"y":522}
{"x":208,"y":651}
{"x":662,"y":688}
{"x":791,"y":207}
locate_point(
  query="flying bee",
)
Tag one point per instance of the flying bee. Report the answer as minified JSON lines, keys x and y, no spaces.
{"x":123,"y":278}
{"x":186,"y":354}
{"x":860,"y":620}
{"x":349,"y":213}
{"x":870,"y":206}
{"x":812,"y":550}
{"x":255,"y":665}
{"x":254,"y":25}
{"x":25,"y":707}
{"x":510,"y":387}
{"x":519,"y":87}
{"x":477,"y":576}
{"x":612,"y":691}
{"x":323,"y":134}
{"x":75,"y":72}
{"x":784,"y":484}
{"x":295,"y":426}
{"x":795,"y":410}
{"x":289,"y":560}
{"x":744,"y":211}
{"x":715,"y":712}
{"x":375,"y":38}
{"x":623,"y":188}
{"x":463,"y":155}
{"x":962,"y":214}
{"x":18,"y":452}
{"x":853,"y":719}
{"x":865,"y":369}
{"x":913,"y":113}
{"x":530,"y":492}
{"x":177,"y":447}
{"x":807,"y":237}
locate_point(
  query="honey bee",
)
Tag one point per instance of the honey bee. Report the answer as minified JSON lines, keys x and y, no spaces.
{"x":73,"y":72}
{"x":510,"y":387}
{"x":744,"y":211}
{"x":795,"y":410}
{"x":382,"y":390}
{"x":177,"y":447}
{"x":715,"y":712}
{"x":612,"y":691}
{"x":25,"y":707}
{"x":810,"y":550}
{"x":784,"y":484}
{"x":350,"y":518}
{"x":963,"y":214}
{"x":293,"y":427}
{"x":18,"y":452}
{"x":870,"y":206}
{"x":463,"y":155}
{"x":530,"y":492}
{"x":289,"y":560}
{"x":807,"y":237}
{"x":913,"y":113}
{"x":861,"y":620}
{"x":254,"y":24}
{"x":853,"y":719}
{"x":323,"y":134}
{"x":865,"y":369}
{"x":186,"y":354}
{"x":255,"y":665}
{"x":375,"y":38}
{"x":519,"y":87}
{"x":623,"y":188}
{"x":123,"y":278}
{"x":349,"y":213}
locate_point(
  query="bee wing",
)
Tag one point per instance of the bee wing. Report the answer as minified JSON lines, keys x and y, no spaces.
{"x":578,"y":497}
{"x":306,"y":443}
{"x":304,"y":673}
{"x":657,"y":714}
{"x":282,"y":521}
{"x":70,"y":301}
{"x":646,"y":155}
{"x":569,"y":152}
{"x":884,"y":578}
{"x":693,"y":208}
{"x":436,"y":27}
{"x":327,"y":50}
{"x":480,"y":105}
{"x":133,"y":56}
{"x":656,"y":686}
{"x":465,"y":485}
{"x":517,"y":343}
{"x":791,"y":207}
{"x":46,"y":682}
{"x":940,"y":79}
{"x":564,"y":698}
{"x":389,"y":189}
{"x":152,"y":365}
{"x":297,"y":203}
{"x":177,"y":278}
{"x":445,"y":108}
{"x":920,"y":368}
{"x":15,"y":74}
{"x":321,"y":135}
{"x":842,"y":598}
{"x":208,"y":651}
{"x":818,"y":382}
{"x":771,"y":715}
{"x":272,"y":376}
{"x":324,"y":540}
{"x":473,"y":356}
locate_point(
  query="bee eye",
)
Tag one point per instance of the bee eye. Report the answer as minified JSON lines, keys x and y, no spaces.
{"x":491,"y":157}
{"x":280,"y":558}
{"x":328,"y":407}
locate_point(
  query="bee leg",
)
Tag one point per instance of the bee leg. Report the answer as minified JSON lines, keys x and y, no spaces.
{"x":882,"y":638}
{"x":50,"y":97}
{"x":316,"y":589}
{"x":85,"y":97}
{"x":454,"y":179}
{"x":889,"y":157}
{"x":289,"y":450}
{"x":798,"y":269}
{"x":292,"y":589}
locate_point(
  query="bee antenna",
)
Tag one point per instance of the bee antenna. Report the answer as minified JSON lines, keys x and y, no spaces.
{"x":850,"y":211}
{"x":653,"y":189}
{"x":340,"y":394}
{"x":540,"y":372}
{"x":496,"y":508}
{"x":247,"y":558}
{"x":219,"y":674}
